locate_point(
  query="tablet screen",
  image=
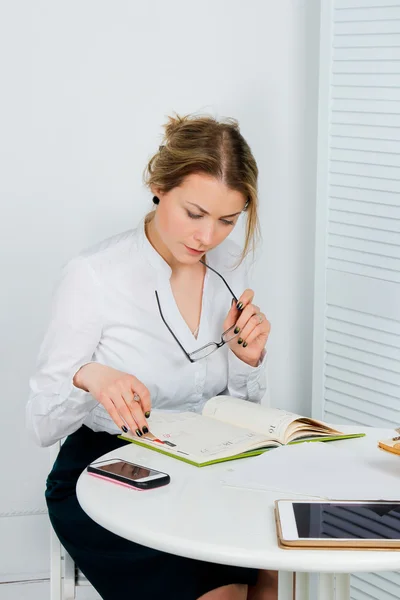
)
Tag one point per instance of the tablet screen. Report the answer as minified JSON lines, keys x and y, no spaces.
{"x":355,"y":521}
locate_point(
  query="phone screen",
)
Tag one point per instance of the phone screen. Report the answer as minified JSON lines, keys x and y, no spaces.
{"x":355,"y":521}
{"x":128,"y":470}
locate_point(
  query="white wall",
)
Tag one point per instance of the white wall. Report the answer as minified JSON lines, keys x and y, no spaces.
{"x":86,"y":85}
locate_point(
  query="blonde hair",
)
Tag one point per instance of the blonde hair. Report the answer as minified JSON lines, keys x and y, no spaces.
{"x":202,"y":144}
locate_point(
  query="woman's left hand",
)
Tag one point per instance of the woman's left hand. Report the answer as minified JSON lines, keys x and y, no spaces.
{"x":254,"y":329}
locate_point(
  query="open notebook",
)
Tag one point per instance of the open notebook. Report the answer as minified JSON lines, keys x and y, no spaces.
{"x":227,"y":429}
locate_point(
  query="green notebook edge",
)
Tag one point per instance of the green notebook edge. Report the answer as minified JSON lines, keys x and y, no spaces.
{"x":243,"y":454}
{"x":330,"y":438}
{"x":192,"y":462}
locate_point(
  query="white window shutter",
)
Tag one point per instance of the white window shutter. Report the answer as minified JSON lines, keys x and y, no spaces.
{"x":356,"y":370}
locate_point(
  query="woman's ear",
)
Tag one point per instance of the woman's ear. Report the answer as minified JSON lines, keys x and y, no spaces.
{"x":156,"y":191}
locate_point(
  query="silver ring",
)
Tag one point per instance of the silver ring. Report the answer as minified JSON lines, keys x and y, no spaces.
{"x":260,"y":318}
{"x":136,"y":397}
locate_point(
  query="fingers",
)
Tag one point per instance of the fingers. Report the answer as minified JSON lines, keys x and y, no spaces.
{"x":245,"y":299}
{"x":237,"y":308}
{"x":125,"y":406}
{"x":231,"y":317}
{"x":257,"y":326}
{"x":125,"y":400}
{"x":132,"y":403}
{"x":246,"y":315}
{"x":112,"y":411}
{"x":251,"y":323}
{"x":144,"y":395}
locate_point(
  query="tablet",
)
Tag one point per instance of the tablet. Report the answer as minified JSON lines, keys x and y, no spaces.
{"x":338,"y":524}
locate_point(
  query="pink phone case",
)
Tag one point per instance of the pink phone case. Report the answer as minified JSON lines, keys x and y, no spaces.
{"x":131,"y":487}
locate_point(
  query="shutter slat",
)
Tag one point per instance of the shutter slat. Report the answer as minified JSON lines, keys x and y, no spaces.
{"x":363,"y":368}
{"x":380,"y":80}
{"x":337,"y":414}
{"x":358,"y":298}
{"x":374,"y":119}
{"x":349,"y":322}
{"x":364,"y":220}
{"x":360,"y":157}
{"x":362,"y":245}
{"x":370,"y":409}
{"x":372,"y":183}
{"x":362,"y":381}
{"x":364,"y":233}
{"x":384,"y":330}
{"x":362,"y":394}
{"x":364,"y":93}
{"x":367,"y":106}
{"x":376,"y":13}
{"x":365,"y":170}
{"x":370,"y":67}
{"x":333,"y":337}
{"x":365,"y":208}
{"x":389,"y":149}
{"x":355,"y":594}
{"x":361,"y":28}
{"x":353,"y":267}
{"x":369,"y":259}
{"x":381,"y":581}
{"x":374,"y":589}
{"x":363,"y":5}
{"x":370,"y":132}
{"x":364,"y":195}
{"x":364,"y":357}
{"x":350,"y":54}
{"x":366,"y":41}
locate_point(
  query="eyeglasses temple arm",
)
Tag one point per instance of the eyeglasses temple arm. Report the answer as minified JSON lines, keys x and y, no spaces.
{"x":219,"y":275}
{"x":170,"y":330}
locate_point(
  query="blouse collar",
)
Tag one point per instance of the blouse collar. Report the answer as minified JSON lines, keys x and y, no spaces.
{"x":154,"y":258}
{"x":150,"y":253}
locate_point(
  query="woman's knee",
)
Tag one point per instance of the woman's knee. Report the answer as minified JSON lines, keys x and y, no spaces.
{"x":235,"y":591}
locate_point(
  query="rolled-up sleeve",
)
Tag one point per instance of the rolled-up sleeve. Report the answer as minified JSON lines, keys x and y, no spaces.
{"x":245,"y":381}
{"x":56,"y":407}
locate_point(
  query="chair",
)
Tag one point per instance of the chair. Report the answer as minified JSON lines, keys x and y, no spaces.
{"x":64,"y":575}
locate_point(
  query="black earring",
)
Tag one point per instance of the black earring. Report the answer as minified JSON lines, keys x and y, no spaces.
{"x":156,"y":200}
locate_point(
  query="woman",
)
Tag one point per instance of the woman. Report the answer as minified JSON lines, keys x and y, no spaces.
{"x":129,"y":317}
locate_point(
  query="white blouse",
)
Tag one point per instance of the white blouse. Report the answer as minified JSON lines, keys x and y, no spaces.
{"x":105,"y":311}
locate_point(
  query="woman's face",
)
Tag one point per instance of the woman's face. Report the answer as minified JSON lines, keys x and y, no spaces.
{"x":195,"y":217}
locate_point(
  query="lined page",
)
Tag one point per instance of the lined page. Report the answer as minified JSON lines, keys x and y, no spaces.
{"x":272,"y":422}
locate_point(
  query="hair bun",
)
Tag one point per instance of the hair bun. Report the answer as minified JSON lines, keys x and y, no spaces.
{"x":173,"y":125}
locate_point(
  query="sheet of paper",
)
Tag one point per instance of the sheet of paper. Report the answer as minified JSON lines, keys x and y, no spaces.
{"x":319,"y":470}
{"x":271,"y":422}
{"x":199,"y":437}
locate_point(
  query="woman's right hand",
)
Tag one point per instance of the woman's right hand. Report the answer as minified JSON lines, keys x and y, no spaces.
{"x":125,"y":398}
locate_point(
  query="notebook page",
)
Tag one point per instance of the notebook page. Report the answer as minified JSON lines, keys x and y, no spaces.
{"x":272,"y":422}
{"x":199,"y":437}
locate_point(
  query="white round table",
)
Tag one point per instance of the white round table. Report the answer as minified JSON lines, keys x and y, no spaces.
{"x":197,"y":516}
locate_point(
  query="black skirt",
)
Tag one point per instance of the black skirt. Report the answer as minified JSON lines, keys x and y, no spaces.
{"x":115,"y":566}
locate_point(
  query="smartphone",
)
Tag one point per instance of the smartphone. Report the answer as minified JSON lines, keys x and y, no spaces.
{"x":340,"y":524}
{"x":129,"y":474}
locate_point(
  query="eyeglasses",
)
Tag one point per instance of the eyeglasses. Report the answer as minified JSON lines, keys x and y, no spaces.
{"x":208,"y":349}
